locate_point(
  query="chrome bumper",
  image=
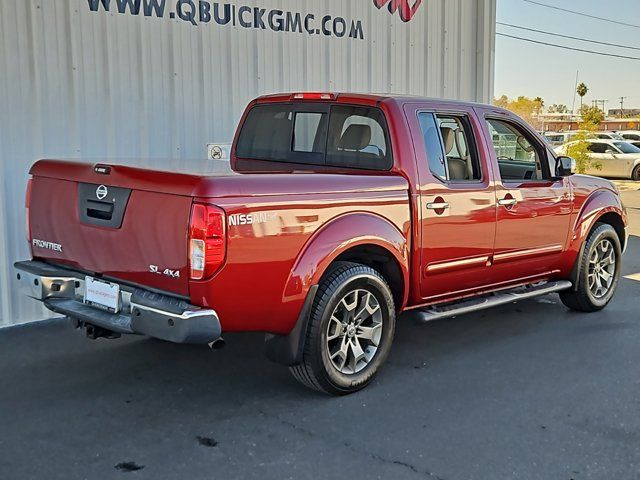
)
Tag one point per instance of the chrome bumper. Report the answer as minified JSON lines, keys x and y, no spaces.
{"x":141,"y":311}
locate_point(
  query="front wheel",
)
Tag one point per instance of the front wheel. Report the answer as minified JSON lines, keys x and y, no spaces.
{"x":599,"y":271}
{"x":635,"y":175}
{"x":350,"y":331}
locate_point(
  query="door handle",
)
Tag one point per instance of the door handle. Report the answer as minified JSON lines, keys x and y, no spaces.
{"x":438,"y":206}
{"x":507,"y":202}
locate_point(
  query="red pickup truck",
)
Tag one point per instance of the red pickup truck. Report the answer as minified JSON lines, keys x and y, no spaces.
{"x":345,"y":211}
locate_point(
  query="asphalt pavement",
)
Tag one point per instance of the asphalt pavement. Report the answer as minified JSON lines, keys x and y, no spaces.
{"x":525,"y":391}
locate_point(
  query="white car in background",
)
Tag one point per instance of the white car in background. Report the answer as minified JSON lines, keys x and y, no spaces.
{"x":608,"y":136}
{"x":630,"y":135}
{"x":618,"y":159}
{"x":558,"y":138}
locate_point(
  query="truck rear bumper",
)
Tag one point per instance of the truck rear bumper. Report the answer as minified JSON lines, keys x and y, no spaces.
{"x":141,"y":311}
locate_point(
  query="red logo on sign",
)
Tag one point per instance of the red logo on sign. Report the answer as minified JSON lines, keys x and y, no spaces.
{"x":406,"y":11}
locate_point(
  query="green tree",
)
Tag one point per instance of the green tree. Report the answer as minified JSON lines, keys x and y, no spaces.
{"x":558,"y":108}
{"x":591,"y":115}
{"x":525,"y":107}
{"x":502,"y":102}
{"x":582,"y":90}
{"x":539,"y":102}
{"x":578,"y":149}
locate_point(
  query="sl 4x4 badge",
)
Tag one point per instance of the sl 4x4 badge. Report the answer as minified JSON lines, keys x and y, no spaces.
{"x":166,"y":272}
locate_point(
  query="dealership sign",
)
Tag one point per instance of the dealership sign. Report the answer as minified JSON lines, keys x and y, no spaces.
{"x":202,"y":12}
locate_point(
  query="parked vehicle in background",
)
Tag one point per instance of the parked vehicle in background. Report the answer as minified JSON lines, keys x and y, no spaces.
{"x":556,"y":139}
{"x":560,"y":138}
{"x":607,"y":136}
{"x":348,"y":210}
{"x":630,"y":135}
{"x":617,"y":159}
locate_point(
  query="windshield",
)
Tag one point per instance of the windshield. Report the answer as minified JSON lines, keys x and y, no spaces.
{"x":627,"y":147}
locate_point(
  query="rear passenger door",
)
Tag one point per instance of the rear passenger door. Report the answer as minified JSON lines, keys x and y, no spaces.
{"x":456,"y":201}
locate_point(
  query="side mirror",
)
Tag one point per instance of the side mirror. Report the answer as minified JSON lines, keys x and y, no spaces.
{"x":565,"y":166}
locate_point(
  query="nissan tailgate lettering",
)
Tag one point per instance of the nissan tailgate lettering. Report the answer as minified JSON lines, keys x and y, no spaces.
{"x":251,"y":218}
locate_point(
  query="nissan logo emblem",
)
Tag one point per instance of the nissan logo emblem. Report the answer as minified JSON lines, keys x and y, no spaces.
{"x":101,"y":192}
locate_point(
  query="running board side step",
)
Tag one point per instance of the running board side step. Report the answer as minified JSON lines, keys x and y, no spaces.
{"x":491,"y":300}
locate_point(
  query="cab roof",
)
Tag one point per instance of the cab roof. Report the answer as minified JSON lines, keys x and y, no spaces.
{"x":364,"y":98}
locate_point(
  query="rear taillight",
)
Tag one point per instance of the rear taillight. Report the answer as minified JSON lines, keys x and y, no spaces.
{"x":207,"y":245}
{"x":27,"y":206}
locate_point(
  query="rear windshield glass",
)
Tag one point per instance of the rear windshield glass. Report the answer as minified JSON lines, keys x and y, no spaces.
{"x":338,"y":136}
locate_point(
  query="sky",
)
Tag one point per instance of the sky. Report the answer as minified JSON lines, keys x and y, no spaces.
{"x":536,"y":70}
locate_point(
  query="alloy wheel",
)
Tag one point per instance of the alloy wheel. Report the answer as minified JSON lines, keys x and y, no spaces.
{"x":354,"y":331}
{"x":602,"y":269}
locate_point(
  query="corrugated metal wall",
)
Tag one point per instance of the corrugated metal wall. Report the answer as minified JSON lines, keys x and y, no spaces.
{"x":95,"y":85}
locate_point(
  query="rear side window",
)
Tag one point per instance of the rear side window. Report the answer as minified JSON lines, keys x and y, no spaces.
{"x":318,"y":134}
{"x":450,"y":147}
{"x":435,"y":152}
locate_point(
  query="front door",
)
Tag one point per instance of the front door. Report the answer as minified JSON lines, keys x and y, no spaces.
{"x":457,"y":203}
{"x":534,"y":206}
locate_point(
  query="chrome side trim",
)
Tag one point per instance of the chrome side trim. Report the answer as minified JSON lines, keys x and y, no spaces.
{"x":448,"y":266}
{"x":527,"y":253}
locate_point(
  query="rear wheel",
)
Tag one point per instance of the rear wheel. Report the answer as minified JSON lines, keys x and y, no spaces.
{"x":350,"y":331}
{"x":635,"y":175}
{"x":599,"y":272}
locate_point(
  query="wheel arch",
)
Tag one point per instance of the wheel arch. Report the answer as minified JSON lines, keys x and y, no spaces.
{"x":603,"y":206}
{"x":359,"y":237}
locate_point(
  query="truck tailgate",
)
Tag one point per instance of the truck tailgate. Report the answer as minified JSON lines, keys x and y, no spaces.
{"x":106,"y":226}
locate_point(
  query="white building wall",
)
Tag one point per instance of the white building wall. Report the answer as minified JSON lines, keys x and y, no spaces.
{"x":127,"y":88}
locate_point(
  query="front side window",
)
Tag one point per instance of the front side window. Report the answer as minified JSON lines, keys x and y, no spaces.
{"x":597,"y":147}
{"x":518,"y":158}
{"x":601,"y":147}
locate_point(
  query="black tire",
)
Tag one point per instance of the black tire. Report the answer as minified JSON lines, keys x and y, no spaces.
{"x":635,"y":175}
{"x":317,"y":370}
{"x":582,"y":298}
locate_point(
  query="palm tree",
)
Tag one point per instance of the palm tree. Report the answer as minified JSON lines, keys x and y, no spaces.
{"x":539,"y":104}
{"x":582,"y":90}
